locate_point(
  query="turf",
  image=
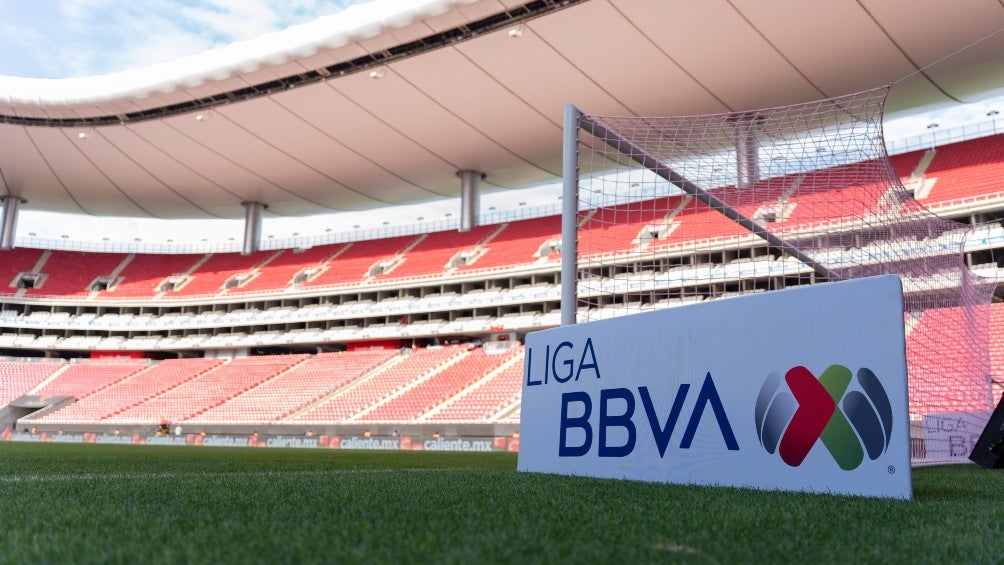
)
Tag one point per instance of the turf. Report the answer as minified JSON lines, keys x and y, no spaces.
{"x":90,"y":503}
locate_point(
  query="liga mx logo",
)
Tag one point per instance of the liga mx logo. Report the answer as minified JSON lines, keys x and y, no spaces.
{"x":796,"y":411}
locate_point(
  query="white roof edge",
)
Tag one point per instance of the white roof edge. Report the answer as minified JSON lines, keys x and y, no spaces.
{"x":355,"y":23}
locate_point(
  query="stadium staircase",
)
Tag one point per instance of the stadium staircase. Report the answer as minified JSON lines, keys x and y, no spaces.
{"x":70,"y":273}
{"x":210,"y":389}
{"x":143,"y":275}
{"x":417,"y":369}
{"x":132,"y":391}
{"x":280,"y":272}
{"x":355,"y":263}
{"x":965,"y":170}
{"x":617,"y":227}
{"x":437,"y":388}
{"x":432,"y":254}
{"x":486,"y":397}
{"x":210,"y":276}
{"x":291,"y":390}
{"x":19,"y":377}
{"x":343,"y":385}
{"x":519,"y":243}
{"x":80,"y":380}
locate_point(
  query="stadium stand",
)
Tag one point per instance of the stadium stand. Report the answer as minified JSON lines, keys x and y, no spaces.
{"x":748,"y":201}
{"x":511,"y":416}
{"x":70,"y":273}
{"x":444,"y":384}
{"x":427,"y":385}
{"x":624,"y":223}
{"x":296,"y":388}
{"x":518,"y":243}
{"x":965,"y":170}
{"x":207,"y":390}
{"x":362,"y":259}
{"x":696,"y":220}
{"x":477,"y":385}
{"x":85,"y":378}
{"x":432,"y":255}
{"x":947,"y":388}
{"x":143,"y":276}
{"x":14,"y":262}
{"x":132,"y":391}
{"x":211,"y":276}
{"x":369,"y":392}
{"x":485,"y":398}
{"x":997,"y":349}
{"x":971,"y":167}
{"x":815,"y":197}
{"x":428,"y":394}
{"x":279,"y":273}
{"x":18,"y":377}
{"x":906,"y":165}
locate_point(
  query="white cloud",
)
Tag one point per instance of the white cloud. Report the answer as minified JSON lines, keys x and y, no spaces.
{"x":232,"y":20}
{"x":20,"y":60}
{"x":938,"y":121}
{"x":77,"y":38}
{"x":149,"y":38}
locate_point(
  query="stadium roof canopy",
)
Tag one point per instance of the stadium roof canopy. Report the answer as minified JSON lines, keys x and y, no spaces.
{"x":384,"y":103}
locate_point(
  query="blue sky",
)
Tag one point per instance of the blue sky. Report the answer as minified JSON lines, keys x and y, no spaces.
{"x":76,"y":38}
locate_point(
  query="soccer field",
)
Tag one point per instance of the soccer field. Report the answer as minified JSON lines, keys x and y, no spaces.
{"x":85,"y":503}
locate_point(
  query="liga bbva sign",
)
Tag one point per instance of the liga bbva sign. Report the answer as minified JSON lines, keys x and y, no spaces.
{"x":801,"y":389}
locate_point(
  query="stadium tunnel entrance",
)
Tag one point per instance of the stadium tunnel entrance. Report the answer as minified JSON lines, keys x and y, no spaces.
{"x":29,"y":404}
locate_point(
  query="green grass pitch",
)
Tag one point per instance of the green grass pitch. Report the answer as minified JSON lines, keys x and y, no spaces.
{"x":130,"y":504}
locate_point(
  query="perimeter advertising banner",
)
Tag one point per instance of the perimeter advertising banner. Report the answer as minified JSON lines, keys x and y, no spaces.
{"x":395,"y":443}
{"x":802,"y":389}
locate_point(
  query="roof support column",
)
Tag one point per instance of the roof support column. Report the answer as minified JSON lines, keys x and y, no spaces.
{"x":470,"y":198}
{"x":8,"y":223}
{"x":747,"y":150}
{"x":252,"y":226}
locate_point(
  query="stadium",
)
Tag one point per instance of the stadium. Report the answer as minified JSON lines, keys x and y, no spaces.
{"x":409,"y":337}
